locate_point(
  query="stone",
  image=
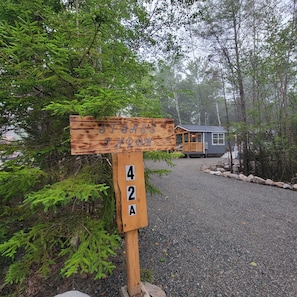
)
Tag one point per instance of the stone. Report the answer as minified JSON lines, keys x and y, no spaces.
{"x":219,"y":173}
{"x":72,"y":294}
{"x":147,"y":289}
{"x":212,"y":172}
{"x":233,"y":175}
{"x":279,"y":184}
{"x":226,"y":173}
{"x":269,"y":182}
{"x":154,"y":291}
{"x":250,"y":178}
{"x":144,"y":292}
{"x":287,"y":186}
{"x":258,"y":180}
{"x":243,"y":177}
{"x":213,"y":167}
{"x":221,"y":170}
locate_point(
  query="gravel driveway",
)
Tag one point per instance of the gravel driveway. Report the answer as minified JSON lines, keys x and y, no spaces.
{"x":211,"y":236}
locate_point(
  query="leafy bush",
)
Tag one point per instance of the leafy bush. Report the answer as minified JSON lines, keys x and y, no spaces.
{"x":64,"y":222}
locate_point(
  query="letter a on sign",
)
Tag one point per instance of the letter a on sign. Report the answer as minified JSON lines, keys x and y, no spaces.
{"x":132,"y":210}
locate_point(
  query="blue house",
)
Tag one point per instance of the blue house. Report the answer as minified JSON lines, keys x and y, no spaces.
{"x":193,"y":140}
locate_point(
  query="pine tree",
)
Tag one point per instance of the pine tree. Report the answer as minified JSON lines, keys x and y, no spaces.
{"x":58,"y":59}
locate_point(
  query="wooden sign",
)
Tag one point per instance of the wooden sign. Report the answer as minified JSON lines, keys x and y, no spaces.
{"x":129,"y":185}
{"x":126,"y":139}
{"x":128,"y":180}
{"x":118,"y":134}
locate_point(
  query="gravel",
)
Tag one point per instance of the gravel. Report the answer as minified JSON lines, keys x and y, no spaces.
{"x":212,"y":236}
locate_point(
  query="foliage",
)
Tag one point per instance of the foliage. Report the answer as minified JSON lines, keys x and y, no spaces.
{"x":61,"y":193}
{"x":88,"y":251}
{"x":57,"y":211}
{"x":16,"y":181}
{"x":251,"y":44}
{"x":146,"y":275}
{"x":69,"y":221}
{"x":190,"y":91}
{"x":149,"y":173}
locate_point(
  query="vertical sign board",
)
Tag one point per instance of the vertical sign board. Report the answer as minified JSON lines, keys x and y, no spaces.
{"x":128,"y":179}
{"x":125,"y":139}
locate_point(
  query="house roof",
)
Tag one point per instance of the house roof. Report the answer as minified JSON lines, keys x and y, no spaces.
{"x":196,"y":128}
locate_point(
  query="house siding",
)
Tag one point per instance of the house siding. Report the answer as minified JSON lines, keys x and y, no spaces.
{"x":217,"y":148}
{"x":206,"y":147}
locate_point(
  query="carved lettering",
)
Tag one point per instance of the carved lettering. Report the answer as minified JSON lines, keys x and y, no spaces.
{"x":120,"y":142}
{"x":134,"y":129}
{"x":102,"y":129}
{"x":124,"y":128}
{"x":120,"y":134}
{"x":152,"y":130}
{"x":143,"y":130}
{"x":112,"y":127}
{"x":129,"y":142}
{"x":107,"y":141}
{"x":148,"y":141}
{"x":139,"y":141}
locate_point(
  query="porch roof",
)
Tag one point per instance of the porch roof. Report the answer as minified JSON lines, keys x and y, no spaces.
{"x":196,"y":128}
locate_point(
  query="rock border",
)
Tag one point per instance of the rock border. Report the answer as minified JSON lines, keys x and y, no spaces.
{"x":72,"y":294}
{"x":224,"y":170}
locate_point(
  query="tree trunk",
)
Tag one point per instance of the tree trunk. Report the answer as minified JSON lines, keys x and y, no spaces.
{"x":228,"y":126}
{"x":239,"y":78}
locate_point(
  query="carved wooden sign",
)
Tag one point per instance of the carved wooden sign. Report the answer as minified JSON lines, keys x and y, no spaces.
{"x":119,"y":134}
{"x":126,"y":139}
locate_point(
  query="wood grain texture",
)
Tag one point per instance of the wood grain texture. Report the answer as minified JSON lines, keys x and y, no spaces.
{"x":125,"y":220}
{"x":133,"y":266}
{"x":118,"y":134}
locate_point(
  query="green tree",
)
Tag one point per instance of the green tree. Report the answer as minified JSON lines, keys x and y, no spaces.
{"x":223,"y":24}
{"x":189,"y":92}
{"x":57,"y":59}
{"x":276,"y":72}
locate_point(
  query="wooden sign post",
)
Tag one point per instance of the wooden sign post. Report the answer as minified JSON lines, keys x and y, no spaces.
{"x":128,"y":180}
{"x":125,"y":139}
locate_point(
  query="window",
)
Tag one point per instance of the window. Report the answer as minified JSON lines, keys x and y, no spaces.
{"x":179,"y":139}
{"x":218,"y":138}
{"x":196,"y":137}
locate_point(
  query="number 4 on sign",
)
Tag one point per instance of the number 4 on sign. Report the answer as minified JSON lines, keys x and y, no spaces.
{"x":130,"y":175}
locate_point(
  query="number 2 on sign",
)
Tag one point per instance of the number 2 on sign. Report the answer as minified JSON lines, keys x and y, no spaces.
{"x":130,"y":172}
{"x":131,"y":193}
